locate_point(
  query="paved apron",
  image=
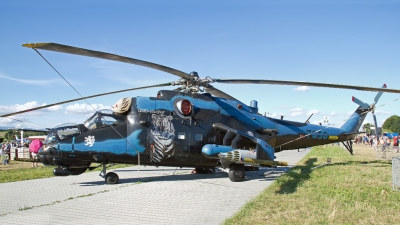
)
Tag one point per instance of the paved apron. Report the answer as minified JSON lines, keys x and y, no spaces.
{"x":151,"y":196}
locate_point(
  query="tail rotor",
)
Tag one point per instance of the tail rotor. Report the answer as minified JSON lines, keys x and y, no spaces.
{"x":371,"y":108}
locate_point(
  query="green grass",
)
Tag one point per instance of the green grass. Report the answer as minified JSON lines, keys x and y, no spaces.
{"x":352,"y":190}
{"x":25,"y":172}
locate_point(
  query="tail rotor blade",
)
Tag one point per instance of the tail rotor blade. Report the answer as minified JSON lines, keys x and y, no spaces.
{"x":378,"y":96}
{"x":360,"y":103}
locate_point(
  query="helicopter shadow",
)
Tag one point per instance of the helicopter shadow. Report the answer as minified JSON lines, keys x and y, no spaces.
{"x":265,"y":174}
{"x":160,"y":178}
{"x":290,"y":186}
{"x":147,"y":170}
{"x":294,"y":179}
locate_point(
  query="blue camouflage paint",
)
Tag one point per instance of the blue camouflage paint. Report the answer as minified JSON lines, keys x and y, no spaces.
{"x":134,"y":140}
{"x":353,"y":122}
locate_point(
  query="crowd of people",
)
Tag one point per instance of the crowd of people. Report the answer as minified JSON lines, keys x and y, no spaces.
{"x":6,"y":148}
{"x":384,"y":141}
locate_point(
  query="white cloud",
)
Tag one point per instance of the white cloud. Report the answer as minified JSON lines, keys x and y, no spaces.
{"x":314,"y":111}
{"x":30,"y":82}
{"x":84,"y":108}
{"x":302,"y":88}
{"x":296,"y":112}
{"x":55,"y":108}
{"x":5,"y":121}
{"x":274,"y":115}
{"x":29,"y":105}
{"x":333,"y":113}
{"x":18,"y":107}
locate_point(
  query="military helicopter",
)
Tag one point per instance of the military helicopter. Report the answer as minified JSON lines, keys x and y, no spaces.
{"x":196,"y":125}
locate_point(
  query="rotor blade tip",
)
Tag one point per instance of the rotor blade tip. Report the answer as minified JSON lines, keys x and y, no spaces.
{"x":352,"y":98}
{"x":34,"y":45}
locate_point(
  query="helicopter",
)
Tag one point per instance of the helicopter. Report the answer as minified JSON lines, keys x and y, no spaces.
{"x":195,"y":125}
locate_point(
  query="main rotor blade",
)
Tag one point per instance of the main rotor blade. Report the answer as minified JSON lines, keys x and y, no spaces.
{"x":103,"y":55}
{"x":378,"y":96}
{"x":214,"y":91}
{"x":301,"y":83}
{"x":77,"y":99}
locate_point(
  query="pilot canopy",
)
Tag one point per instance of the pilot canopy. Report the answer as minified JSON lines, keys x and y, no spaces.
{"x":103,"y":118}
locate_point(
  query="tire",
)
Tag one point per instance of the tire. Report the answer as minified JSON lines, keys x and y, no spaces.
{"x":237,"y":173}
{"x":112,"y":178}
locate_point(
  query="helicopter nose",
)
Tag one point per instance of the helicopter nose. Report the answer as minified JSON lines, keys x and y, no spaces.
{"x":43,"y":156}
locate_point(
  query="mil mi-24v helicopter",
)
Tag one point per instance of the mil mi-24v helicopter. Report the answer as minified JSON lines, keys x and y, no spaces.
{"x":186,"y":128}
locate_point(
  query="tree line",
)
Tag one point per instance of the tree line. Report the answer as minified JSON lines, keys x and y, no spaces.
{"x":392,"y":124}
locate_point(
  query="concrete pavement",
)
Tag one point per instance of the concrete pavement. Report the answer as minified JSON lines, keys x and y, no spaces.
{"x":151,"y":196}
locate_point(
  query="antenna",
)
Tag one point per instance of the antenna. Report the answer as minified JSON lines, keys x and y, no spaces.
{"x":307,"y":121}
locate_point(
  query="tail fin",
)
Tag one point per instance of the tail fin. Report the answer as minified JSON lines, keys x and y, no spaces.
{"x":353,"y":124}
{"x":355,"y":121}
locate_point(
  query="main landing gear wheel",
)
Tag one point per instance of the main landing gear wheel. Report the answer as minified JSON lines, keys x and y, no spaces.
{"x":236,"y":173}
{"x":112,"y":178}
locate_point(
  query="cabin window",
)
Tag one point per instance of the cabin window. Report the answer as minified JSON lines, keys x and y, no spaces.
{"x":67,"y":132}
{"x":103,"y":118}
{"x":198,"y":137}
{"x":181,"y":135}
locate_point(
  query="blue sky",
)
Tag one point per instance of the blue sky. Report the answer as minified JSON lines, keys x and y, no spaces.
{"x":343,"y":42}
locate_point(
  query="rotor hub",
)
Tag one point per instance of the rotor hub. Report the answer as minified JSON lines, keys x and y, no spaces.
{"x":194,"y":84}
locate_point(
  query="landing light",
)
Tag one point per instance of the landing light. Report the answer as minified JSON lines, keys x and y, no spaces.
{"x":184,"y":106}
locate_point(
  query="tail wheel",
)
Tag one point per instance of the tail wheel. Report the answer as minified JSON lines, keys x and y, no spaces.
{"x":236,"y":173}
{"x":112,"y":178}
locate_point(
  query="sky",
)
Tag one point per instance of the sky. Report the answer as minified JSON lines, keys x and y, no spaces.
{"x":339,"y":42}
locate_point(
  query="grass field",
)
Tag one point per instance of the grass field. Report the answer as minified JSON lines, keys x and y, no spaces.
{"x":18,"y":171}
{"x":351,"y":190}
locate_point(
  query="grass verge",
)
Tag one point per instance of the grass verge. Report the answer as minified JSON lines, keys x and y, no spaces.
{"x":19,"y":171}
{"x":352,"y":190}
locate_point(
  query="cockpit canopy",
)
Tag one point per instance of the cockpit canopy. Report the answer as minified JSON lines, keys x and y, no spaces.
{"x":63,"y":131}
{"x":103,"y":118}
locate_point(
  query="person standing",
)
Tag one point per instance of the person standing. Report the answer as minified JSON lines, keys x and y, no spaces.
{"x":8,"y":152}
{"x":3,"y":156}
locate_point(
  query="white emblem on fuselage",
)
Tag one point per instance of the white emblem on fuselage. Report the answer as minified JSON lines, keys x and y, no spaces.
{"x":89,"y":140}
{"x":163,"y":132}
